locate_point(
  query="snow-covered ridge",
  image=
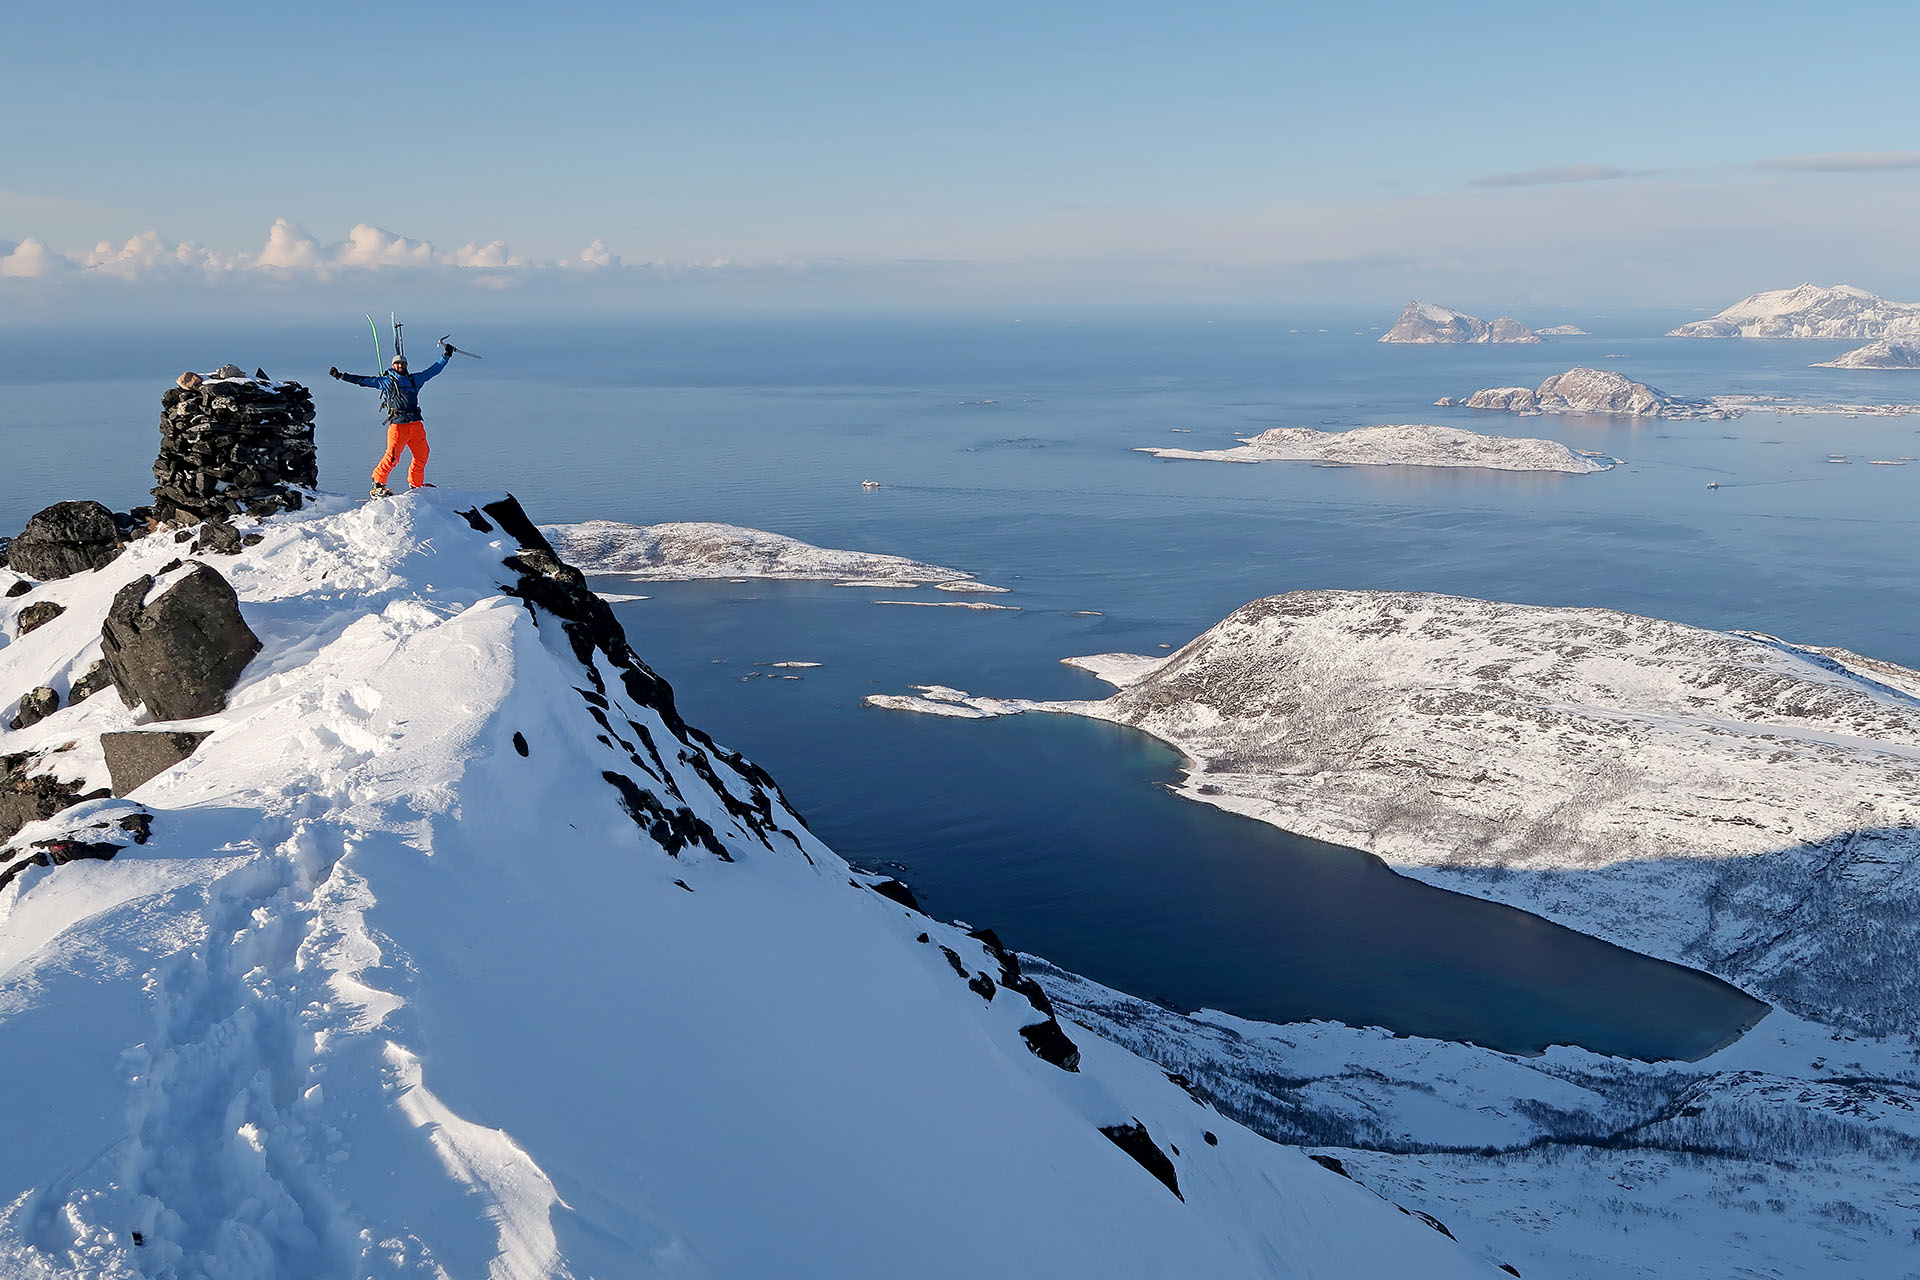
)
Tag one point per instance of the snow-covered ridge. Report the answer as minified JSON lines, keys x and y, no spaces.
{"x":1888,"y":353}
{"x":1562,"y":331}
{"x":1809,"y":311}
{"x":1410,"y":445}
{"x":686,"y":551}
{"x":1724,"y":799}
{"x":1423,"y":322}
{"x":454,"y":951}
{"x":1584,"y":390}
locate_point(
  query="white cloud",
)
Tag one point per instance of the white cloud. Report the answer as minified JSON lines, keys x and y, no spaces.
{"x":1845,"y":162}
{"x":290,"y":248}
{"x":596,"y":255}
{"x":369,"y":246}
{"x":31,"y":260}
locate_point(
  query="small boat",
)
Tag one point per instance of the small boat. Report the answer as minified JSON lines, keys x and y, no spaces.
{"x":869,"y":484}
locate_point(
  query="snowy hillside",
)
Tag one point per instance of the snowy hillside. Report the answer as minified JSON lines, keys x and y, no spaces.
{"x":1721,"y":798}
{"x":1409,"y":445}
{"x":686,"y":551}
{"x":452,"y":951}
{"x":1423,"y":322}
{"x":1809,"y":311}
{"x":1885,"y":354}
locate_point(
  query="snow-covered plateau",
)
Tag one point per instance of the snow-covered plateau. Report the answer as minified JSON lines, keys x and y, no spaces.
{"x":1410,"y":445}
{"x":687,"y":551}
{"x":1809,"y":311}
{"x":1725,"y":800}
{"x":452,"y":950}
{"x":1888,"y":353}
{"x":1423,"y":322}
{"x":1583,"y":390}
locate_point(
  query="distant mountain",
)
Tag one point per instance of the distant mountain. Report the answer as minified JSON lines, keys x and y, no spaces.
{"x":1810,"y":311}
{"x":1885,"y":354}
{"x":1563,"y":331}
{"x":1423,"y":322}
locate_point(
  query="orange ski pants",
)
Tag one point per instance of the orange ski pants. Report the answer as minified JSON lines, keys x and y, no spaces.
{"x":404,"y":435}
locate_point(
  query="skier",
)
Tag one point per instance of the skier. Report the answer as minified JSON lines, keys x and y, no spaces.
{"x":400,"y":400}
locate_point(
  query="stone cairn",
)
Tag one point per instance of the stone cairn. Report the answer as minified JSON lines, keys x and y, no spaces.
{"x":231,"y":444}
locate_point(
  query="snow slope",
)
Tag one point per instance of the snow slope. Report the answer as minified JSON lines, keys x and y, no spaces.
{"x":680,"y":552}
{"x":455,"y":952}
{"x":1809,"y":311}
{"x":1408,"y":445}
{"x":1584,"y":390}
{"x":1884,"y":354}
{"x":1723,"y":799}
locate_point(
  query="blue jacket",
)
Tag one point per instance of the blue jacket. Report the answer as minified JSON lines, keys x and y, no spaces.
{"x":399,"y":392}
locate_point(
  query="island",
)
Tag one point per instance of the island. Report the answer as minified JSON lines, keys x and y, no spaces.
{"x":1584,"y":390}
{"x":1423,"y":322}
{"x":1888,"y":353}
{"x":1408,"y":444}
{"x":1809,"y":311}
{"x":686,"y":551}
{"x":1563,"y":331}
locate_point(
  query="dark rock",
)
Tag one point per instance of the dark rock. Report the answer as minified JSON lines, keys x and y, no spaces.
{"x":138,"y":755}
{"x":1510,"y":1269}
{"x":479,"y":522}
{"x":139,"y":826}
{"x":923,"y":938}
{"x":184,"y":651}
{"x":672,"y":829}
{"x":953,"y":958}
{"x":1430,"y":1220}
{"x":37,"y":615}
{"x":520,"y":743}
{"x":25,"y":799}
{"x":1135,"y":1141}
{"x":1330,"y":1162}
{"x":65,"y":539}
{"x":1049,"y":1042}
{"x":684,"y":885}
{"x":60,"y":852}
{"x":897,"y":892}
{"x":253,"y":539}
{"x":1206,"y":1135}
{"x":35,"y":706}
{"x":93,"y":680}
{"x":982,"y":986}
{"x":19,"y":588}
{"x":229,"y":447}
{"x":218,"y":537}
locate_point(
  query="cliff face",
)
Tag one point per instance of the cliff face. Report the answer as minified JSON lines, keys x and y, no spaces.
{"x":446,"y":946}
{"x":1422,"y":322}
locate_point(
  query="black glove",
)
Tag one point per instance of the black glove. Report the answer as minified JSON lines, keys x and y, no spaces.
{"x":332,"y":372}
{"x":446,"y":351}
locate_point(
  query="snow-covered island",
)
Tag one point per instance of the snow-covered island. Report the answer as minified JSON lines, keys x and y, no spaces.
{"x":1563,"y":331}
{"x":690,"y":551}
{"x":1888,"y":353}
{"x":1723,"y":799}
{"x":1584,"y":390}
{"x":1409,"y":445}
{"x":1423,"y":322}
{"x":1809,"y":311}
{"x":378,"y":914}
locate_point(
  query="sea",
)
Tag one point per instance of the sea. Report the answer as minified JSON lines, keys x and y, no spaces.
{"x":1005,"y":444}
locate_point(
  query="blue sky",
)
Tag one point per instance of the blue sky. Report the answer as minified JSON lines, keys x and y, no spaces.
{"x":1069,"y":152}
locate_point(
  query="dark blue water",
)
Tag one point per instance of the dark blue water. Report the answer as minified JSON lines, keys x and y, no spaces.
{"x":1058,"y":832}
{"x":1004,"y":445}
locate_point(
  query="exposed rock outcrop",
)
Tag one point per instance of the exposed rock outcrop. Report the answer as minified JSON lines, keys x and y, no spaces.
{"x":26,"y":797}
{"x":181,"y":653}
{"x":232,"y":445}
{"x":65,"y":539}
{"x":37,"y":615}
{"x":1422,"y":322}
{"x":134,"y":757}
{"x":36,"y":705}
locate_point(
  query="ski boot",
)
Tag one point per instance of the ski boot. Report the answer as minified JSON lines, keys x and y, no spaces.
{"x":379,"y":491}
